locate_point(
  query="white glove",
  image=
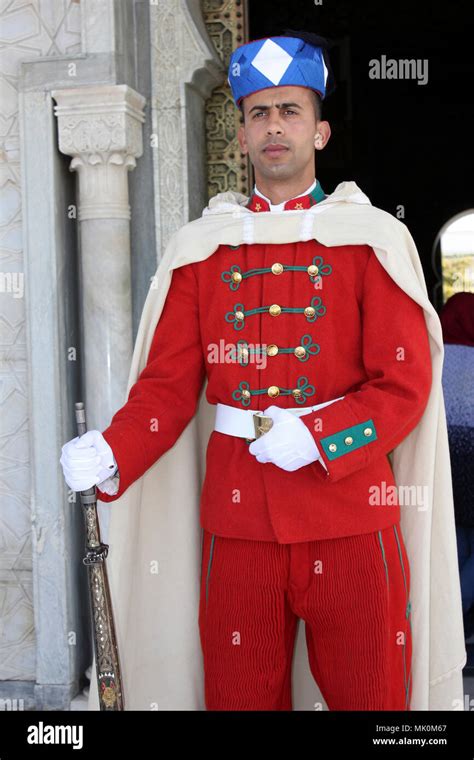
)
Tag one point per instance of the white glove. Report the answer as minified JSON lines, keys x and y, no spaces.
{"x":87,"y":461}
{"x":288,"y":444}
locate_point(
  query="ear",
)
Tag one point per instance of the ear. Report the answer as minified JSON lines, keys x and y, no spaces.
{"x":241,"y":138}
{"x":322,"y":135}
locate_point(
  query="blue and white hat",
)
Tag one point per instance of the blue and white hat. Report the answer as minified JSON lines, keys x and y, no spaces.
{"x":298,"y":58}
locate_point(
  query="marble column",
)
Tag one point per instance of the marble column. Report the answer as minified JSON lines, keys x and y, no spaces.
{"x":101,"y":128}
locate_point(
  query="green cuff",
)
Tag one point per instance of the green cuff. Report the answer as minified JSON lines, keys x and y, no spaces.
{"x":347,"y":440}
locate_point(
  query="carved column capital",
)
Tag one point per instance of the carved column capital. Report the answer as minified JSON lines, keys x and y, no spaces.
{"x":101,"y":128}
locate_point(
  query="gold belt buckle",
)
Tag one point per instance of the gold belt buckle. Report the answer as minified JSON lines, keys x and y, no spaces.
{"x":261,"y":425}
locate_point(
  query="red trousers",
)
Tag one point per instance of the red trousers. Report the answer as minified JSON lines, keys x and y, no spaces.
{"x":353,"y":594}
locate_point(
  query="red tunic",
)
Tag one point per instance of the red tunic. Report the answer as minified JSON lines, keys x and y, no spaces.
{"x":366,"y":340}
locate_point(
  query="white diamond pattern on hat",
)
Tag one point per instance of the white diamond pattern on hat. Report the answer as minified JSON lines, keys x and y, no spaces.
{"x":272,"y":61}
{"x":325,"y":70}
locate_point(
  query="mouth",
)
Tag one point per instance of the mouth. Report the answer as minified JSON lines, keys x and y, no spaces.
{"x":275,"y":150}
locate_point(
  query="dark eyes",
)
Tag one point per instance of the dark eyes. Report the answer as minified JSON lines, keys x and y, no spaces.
{"x":287,"y":110}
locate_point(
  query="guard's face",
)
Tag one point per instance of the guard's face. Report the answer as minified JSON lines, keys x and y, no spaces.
{"x":279,"y":116}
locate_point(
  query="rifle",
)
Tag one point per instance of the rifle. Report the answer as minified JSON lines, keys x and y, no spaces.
{"x":109,"y":680}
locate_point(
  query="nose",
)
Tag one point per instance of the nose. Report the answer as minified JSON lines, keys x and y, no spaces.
{"x":274,"y":124}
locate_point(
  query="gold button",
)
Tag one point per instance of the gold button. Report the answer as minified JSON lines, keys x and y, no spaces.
{"x":313,"y":270}
{"x":299,"y":351}
{"x":332,"y":447}
{"x":296,"y":393}
{"x":272,"y":349}
{"x":246,"y":393}
{"x":273,"y":391}
{"x":309,"y":311}
{"x":239,"y":315}
{"x":368,"y":431}
{"x":348,"y":440}
{"x":275,"y":310}
{"x":236,"y":276}
{"x":277,"y":268}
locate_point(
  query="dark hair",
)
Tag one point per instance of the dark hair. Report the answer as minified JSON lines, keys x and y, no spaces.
{"x":318,"y":106}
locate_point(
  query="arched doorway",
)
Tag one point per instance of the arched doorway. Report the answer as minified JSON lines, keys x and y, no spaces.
{"x":453,"y":257}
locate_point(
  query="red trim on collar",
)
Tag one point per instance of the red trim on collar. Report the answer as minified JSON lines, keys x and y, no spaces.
{"x":257,"y":203}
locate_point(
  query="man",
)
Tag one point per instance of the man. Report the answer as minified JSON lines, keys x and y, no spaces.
{"x":291,"y":526}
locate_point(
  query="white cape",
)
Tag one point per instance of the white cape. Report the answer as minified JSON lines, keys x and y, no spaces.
{"x":157,"y":519}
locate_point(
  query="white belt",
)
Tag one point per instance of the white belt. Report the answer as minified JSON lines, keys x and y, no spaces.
{"x":250,"y":423}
